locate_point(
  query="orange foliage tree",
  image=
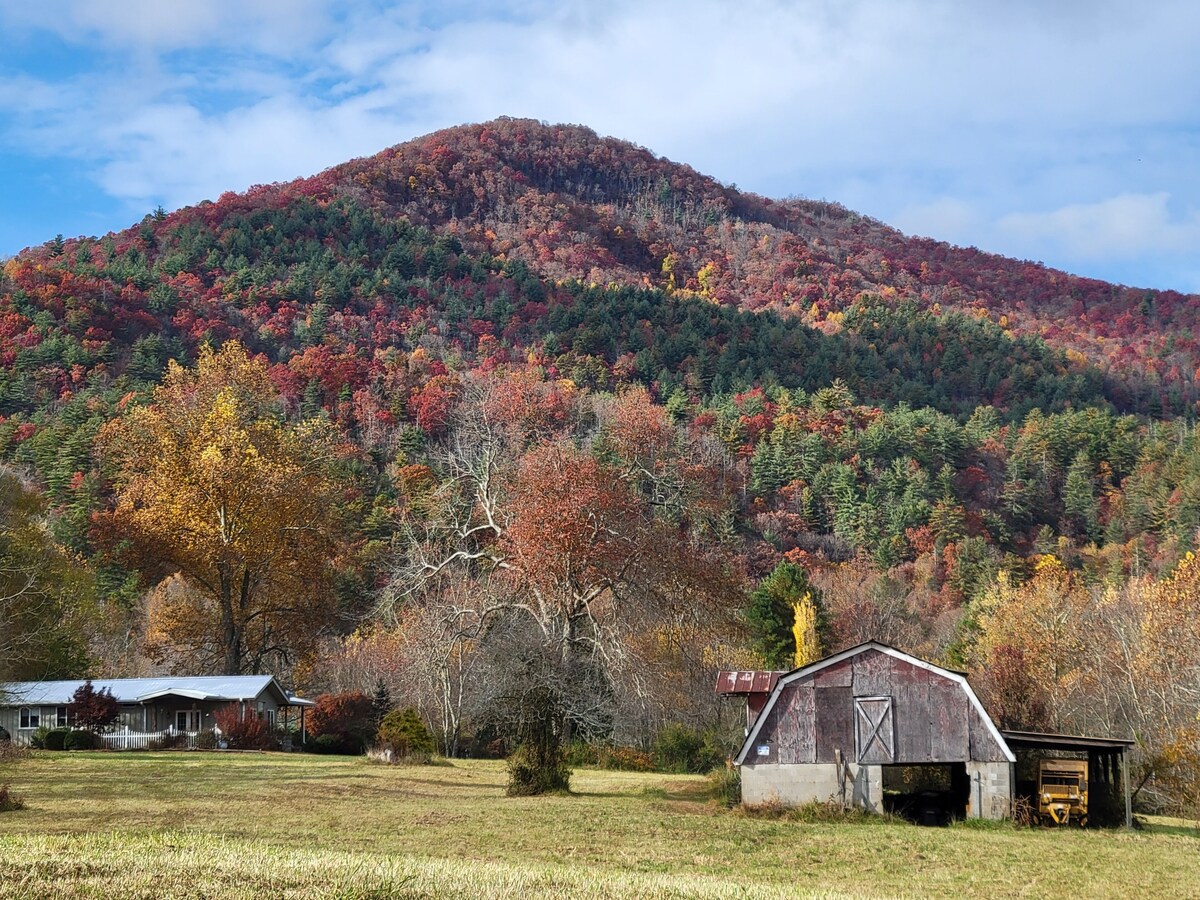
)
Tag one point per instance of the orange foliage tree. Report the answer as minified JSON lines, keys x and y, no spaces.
{"x":212,"y":485}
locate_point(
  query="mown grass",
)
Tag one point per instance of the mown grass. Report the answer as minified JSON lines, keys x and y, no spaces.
{"x":233,"y":825}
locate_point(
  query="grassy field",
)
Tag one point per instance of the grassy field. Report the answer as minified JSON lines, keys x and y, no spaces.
{"x":230,"y":825}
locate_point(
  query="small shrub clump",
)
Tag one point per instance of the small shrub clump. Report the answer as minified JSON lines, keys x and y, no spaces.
{"x":78,"y":739}
{"x":332,"y":745}
{"x":56,"y":738}
{"x":403,"y":732}
{"x":537,"y":768}
{"x":726,"y":785}
{"x":9,"y":802}
{"x":248,"y":733}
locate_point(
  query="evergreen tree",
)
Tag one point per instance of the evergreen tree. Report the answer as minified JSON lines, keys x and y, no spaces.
{"x":381,"y":703}
{"x":773,"y":617}
{"x":1079,"y":498}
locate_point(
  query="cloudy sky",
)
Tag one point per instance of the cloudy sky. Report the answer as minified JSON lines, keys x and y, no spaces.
{"x":1066,"y":131}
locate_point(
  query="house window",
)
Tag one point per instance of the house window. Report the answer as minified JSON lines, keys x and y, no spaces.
{"x":271,"y":718}
{"x":30,"y":717}
{"x":60,"y":716}
{"x":874,"y":730}
{"x":187,"y":720}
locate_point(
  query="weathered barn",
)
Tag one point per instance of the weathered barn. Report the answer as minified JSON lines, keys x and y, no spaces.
{"x":842,"y":727}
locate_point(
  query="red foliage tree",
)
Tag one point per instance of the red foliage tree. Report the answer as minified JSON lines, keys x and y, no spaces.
{"x":91,"y":709}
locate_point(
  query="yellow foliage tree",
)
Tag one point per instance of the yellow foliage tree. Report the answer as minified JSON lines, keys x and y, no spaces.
{"x":212,"y":485}
{"x":805,"y":629}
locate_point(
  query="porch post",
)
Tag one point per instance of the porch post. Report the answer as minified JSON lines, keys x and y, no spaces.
{"x":1125,"y":784}
{"x":303,"y":733}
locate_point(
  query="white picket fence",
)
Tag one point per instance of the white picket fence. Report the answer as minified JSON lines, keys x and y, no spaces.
{"x":124,"y":739}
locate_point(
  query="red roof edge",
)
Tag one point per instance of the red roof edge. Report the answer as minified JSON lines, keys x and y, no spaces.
{"x":732,"y":681}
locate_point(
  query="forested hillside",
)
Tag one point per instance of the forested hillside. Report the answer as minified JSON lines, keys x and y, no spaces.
{"x":514,"y":405}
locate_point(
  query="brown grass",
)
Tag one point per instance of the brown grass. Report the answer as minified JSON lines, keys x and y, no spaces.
{"x":274,"y":825}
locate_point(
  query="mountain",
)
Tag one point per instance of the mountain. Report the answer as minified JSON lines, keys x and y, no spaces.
{"x":576,"y":206}
{"x":518,"y":202}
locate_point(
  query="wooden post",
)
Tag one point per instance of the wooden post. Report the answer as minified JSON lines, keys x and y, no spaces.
{"x":1125,"y":784}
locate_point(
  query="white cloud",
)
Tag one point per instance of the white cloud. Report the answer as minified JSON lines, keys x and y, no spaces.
{"x":1122,"y":227}
{"x":942,"y":117}
{"x":156,"y":26}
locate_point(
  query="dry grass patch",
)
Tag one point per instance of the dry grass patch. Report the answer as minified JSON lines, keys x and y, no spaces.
{"x":197,"y":824}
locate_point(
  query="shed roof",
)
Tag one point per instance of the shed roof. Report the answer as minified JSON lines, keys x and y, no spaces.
{"x":813,"y":668}
{"x":746,"y":682}
{"x":1038,"y":740}
{"x":140,"y":690}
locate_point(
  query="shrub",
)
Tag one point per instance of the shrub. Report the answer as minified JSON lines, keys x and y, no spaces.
{"x":347,"y":715}
{"x":335,"y":744}
{"x":681,"y":749}
{"x":9,"y":802}
{"x":78,"y":739}
{"x":403,"y":731}
{"x":726,"y":784}
{"x":206,"y":740}
{"x":249,"y":733}
{"x":37,"y":740}
{"x":168,"y":741}
{"x":56,"y":738}
{"x":537,"y":768}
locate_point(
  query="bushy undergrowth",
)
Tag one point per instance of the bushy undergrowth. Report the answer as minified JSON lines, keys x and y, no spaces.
{"x":685,"y":750}
{"x":726,"y":785}
{"x":609,"y":756}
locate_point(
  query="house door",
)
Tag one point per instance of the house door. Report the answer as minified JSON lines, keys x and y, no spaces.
{"x":874,"y":730}
{"x":187,"y":720}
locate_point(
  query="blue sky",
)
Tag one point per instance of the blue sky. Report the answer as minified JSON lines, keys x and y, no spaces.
{"x":1066,"y":132}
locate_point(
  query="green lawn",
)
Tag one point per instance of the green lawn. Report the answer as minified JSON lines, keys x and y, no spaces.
{"x":243,"y":825}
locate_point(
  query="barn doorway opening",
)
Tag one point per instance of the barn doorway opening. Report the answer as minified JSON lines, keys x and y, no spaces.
{"x":933,"y":794}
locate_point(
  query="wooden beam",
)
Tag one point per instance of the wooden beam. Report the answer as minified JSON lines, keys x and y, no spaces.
{"x":1125,"y":783}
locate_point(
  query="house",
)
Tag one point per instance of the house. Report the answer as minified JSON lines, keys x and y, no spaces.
{"x":149,"y":706}
{"x":878,"y":728}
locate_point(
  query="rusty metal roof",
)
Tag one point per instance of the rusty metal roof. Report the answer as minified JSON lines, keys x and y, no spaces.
{"x":746,"y":682}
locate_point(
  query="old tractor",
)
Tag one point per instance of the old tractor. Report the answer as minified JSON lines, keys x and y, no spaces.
{"x":1062,"y":791}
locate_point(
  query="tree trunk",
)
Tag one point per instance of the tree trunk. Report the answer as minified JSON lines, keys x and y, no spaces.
{"x":231,"y":635}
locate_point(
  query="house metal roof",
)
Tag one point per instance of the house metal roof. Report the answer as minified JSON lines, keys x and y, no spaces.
{"x":138,"y":690}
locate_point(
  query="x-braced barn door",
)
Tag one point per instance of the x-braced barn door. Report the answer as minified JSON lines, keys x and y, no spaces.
{"x":874,"y":730}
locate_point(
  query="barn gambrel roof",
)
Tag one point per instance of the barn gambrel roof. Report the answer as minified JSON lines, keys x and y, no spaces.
{"x":812,"y":668}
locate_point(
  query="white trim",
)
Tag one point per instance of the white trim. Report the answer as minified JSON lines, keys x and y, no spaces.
{"x":814,"y":668}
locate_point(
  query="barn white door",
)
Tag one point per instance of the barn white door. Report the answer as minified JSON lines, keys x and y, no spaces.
{"x":874,"y":730}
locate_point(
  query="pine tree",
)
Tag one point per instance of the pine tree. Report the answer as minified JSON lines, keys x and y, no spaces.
{"x":773,"y":616}
{"x":381,"y":703}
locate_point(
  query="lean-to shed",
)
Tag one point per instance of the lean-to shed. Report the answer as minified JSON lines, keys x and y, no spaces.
{"x":840,"y":727}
